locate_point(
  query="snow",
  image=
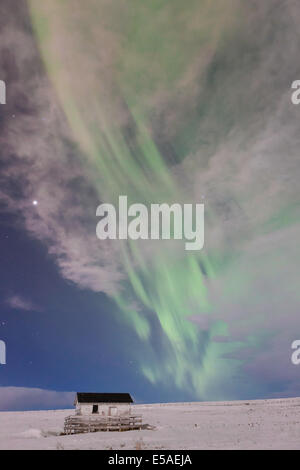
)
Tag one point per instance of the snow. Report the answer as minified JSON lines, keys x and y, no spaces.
{"x":258,"y":424}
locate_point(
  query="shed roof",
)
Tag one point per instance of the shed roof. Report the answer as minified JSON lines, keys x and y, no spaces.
{"x":103,"y":398}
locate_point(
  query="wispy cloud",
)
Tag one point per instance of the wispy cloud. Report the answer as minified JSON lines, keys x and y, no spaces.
{"x":18,"y":302}
{"x":227,"y":131}
{"x":22,"y":398}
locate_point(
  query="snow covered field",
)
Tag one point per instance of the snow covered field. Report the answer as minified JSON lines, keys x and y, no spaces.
{"x":260,"y":424}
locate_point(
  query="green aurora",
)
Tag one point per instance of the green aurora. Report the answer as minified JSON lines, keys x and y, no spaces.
{"x":153,"y":95}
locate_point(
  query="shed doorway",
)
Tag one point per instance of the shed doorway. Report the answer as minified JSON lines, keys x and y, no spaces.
{"x":95,"y":409}
{"x":112,"y":411}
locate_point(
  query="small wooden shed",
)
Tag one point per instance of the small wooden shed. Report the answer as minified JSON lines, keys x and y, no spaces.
{"x":102,"y":412}
{"x":103,"y":404}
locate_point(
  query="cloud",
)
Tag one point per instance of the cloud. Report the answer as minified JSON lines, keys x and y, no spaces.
{"x":18,"y":302}
{"x":226,"y":129}
{"x":22,"y":398}
{"x":39,"y":161}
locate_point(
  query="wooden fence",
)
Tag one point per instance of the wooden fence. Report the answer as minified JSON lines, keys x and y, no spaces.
{"x":80,"y":424}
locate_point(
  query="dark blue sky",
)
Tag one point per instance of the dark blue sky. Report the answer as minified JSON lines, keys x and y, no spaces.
{"x":71,"y":339}
{"x":200,"y":113}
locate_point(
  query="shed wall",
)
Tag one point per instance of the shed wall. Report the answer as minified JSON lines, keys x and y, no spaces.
{"x":103,"y":408}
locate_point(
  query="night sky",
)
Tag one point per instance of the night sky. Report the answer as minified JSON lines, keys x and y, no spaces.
{"x":163,"y":102}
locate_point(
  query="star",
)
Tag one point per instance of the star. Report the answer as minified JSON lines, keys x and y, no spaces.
{"x":35,"y":203}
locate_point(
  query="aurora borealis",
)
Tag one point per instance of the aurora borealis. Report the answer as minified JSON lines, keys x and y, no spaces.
{"x":165,"y":101}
